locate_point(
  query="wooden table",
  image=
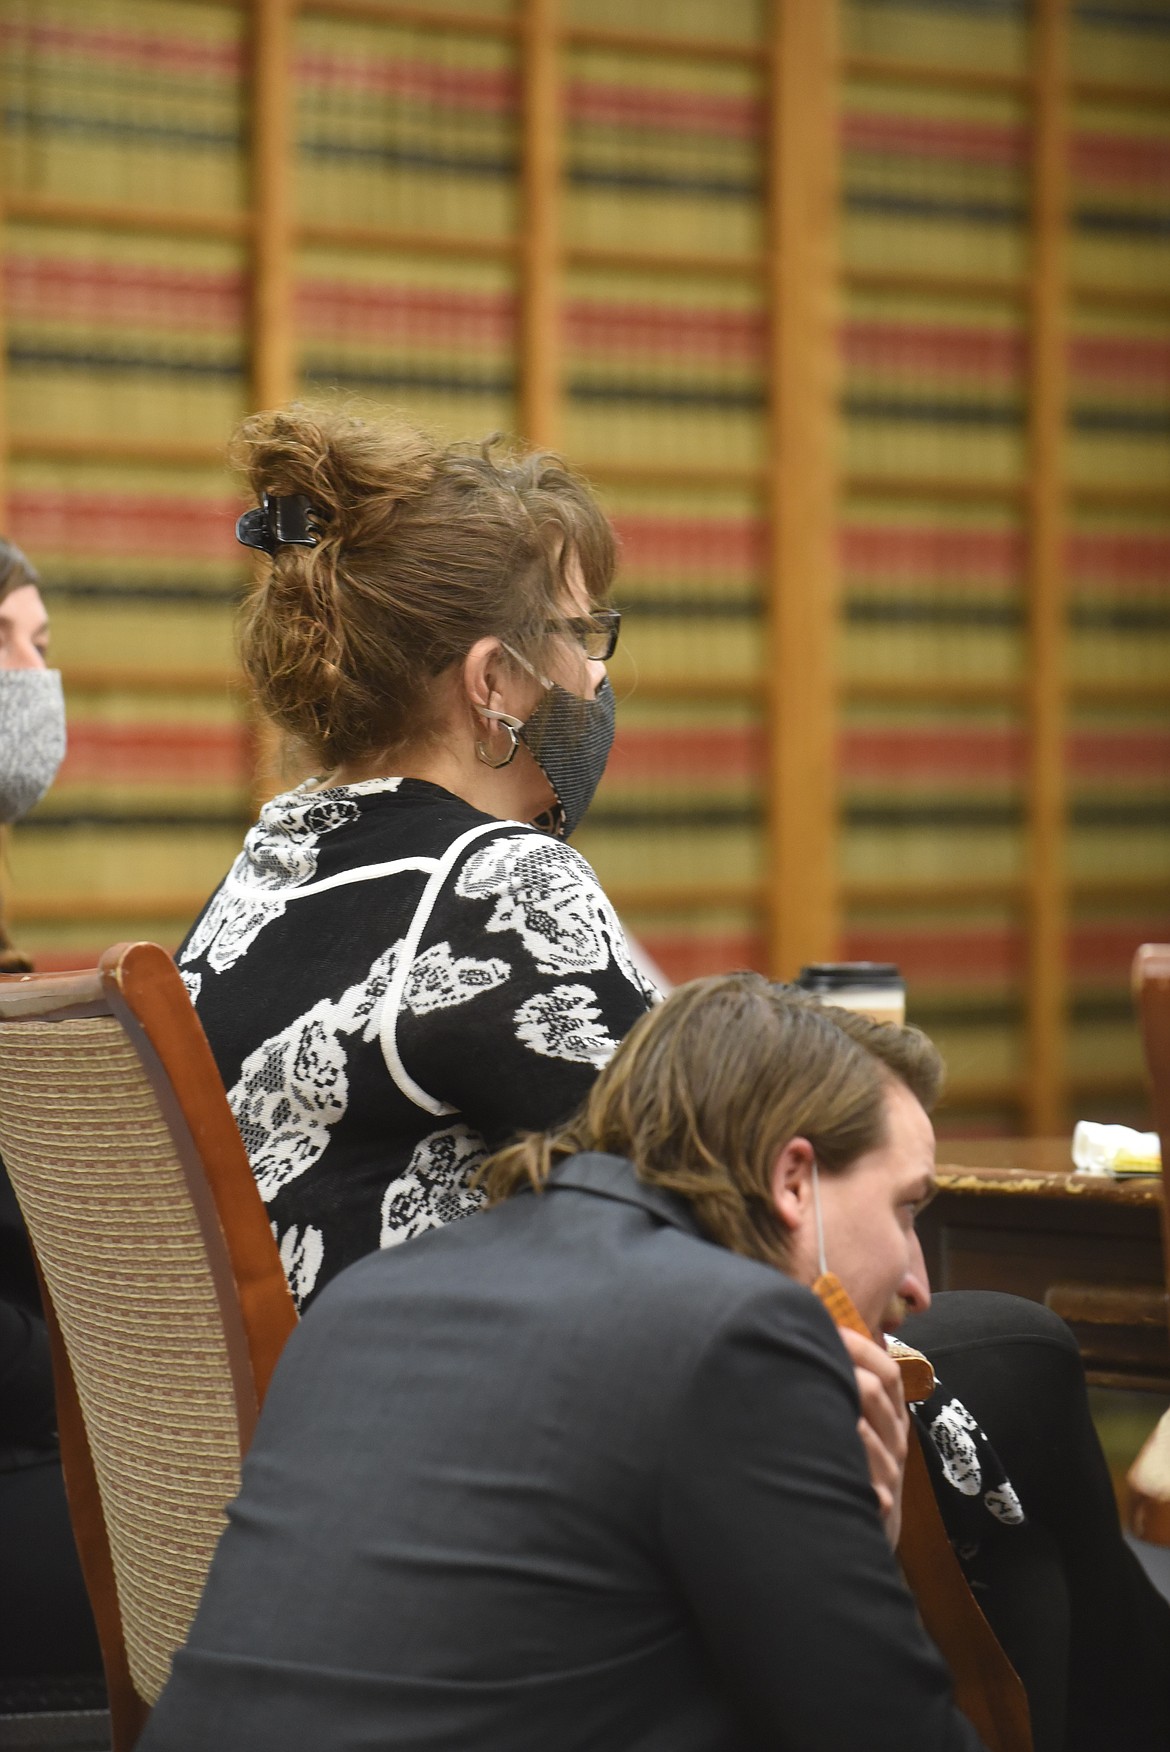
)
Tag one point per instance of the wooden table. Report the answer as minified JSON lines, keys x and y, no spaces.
{"x":1012,"y":1214}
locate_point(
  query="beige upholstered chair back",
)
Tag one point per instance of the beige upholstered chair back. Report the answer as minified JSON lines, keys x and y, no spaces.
{"x":147,"y":1345}
{"x":110,"y":1162}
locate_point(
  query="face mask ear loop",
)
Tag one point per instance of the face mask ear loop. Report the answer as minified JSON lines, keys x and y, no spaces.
{"x":822,"y":1266}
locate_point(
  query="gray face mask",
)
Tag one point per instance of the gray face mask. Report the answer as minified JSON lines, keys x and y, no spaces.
{"x":32,"y":737}
{"x":569,"y":738}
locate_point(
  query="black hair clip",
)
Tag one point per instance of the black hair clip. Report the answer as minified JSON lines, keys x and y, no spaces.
{"x":278,"y":521}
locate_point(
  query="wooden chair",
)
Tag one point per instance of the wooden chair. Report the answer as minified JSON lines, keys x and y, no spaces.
{"x":988,"y":1689}
{"x":1149,"y":1477}
{"x":166,"y":1302}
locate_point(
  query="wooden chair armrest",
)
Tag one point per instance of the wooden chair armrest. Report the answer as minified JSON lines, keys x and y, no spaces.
{"x":1149,"y":1487}
{"x":918,"y":1377}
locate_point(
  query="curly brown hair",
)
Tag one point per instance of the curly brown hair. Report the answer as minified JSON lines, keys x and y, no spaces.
{"x":423,"y":548}
{"x":706,"y":1089}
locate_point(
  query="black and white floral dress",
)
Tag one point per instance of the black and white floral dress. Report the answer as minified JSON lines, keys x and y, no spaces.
{"x":393,"y":984}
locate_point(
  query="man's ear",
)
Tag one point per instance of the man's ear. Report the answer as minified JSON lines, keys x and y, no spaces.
{"x":792,"y":1184}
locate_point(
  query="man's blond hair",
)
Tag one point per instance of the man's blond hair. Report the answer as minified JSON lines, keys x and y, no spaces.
{"x":707,"y":1088}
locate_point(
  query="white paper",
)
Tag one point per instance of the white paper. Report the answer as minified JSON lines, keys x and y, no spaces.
{"x":1110,"y":1149}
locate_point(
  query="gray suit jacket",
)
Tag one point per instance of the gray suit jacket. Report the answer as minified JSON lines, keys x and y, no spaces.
{"x":561,"y":1477}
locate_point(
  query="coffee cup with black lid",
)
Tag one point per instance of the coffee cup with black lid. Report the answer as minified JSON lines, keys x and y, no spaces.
{"x":872,"y":988}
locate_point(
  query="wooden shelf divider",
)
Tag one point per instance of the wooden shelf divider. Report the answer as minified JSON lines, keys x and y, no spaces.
{"x":1002,"y":288}
{"x":1130,"y":300}
{"x":483,"y":24}
{"x":1127,"y":94}
{"x":1113,"y":496}
{"x":540,"y":263}
{"x":273,"y":343}
{"x":92,"y":678}
{"x":619,"y":473}
{"x":715,"y":265}
{"x":938,"y":896}
{"x":915,"y":896}
{"x":273,"y":309}
{"x":1047,"y":900}
{"x":86,"y":908}
{"x":976,"y":1091}
{"x":45,"y":209}
{"x":1124,"y":887}
{"x":803,"y":584}
{"x":989,"y":690}
{"x":927,"y":283}
{"x":388,"y":240}
{"x":660,"y":46}
{"x":102,"y":447}
{"x":679,"y":897}
{"x":883,"y":70}
{"x":1103,"y":691}
{"x":955,"y":490}
{"x":929,"y":690}
{"x":934,"y":76}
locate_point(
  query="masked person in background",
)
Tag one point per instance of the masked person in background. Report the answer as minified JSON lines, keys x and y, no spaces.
{"x":46,"y":1631}
{"x":32,"y":709}
{"x":407,"y":965}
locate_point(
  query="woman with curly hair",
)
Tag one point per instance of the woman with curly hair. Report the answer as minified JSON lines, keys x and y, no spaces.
{"x":407,"y":963}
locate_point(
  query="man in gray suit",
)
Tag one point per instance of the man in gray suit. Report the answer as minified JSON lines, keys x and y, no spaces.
{"x":593,"y":1471}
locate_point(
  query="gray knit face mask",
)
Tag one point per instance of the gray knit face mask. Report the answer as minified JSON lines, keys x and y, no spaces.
{"x":32,"y":737}
{"x":569,"y":738}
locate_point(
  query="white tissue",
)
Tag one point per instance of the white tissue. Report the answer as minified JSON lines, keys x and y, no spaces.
{"x":1114,"y":1149}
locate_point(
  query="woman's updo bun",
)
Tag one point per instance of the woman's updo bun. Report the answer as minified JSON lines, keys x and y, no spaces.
{"x":421,"y":550}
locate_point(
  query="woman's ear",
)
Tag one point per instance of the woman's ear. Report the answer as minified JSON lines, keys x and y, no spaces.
{"x":482,"y":674}
{"x":491,"y":678}
{"x":792,"y":1197}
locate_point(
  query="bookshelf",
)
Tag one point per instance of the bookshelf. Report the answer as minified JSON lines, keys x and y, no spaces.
{"x":702,"y":360}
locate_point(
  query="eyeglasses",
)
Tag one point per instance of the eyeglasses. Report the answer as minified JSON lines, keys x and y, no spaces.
{"x":598,"y":635}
